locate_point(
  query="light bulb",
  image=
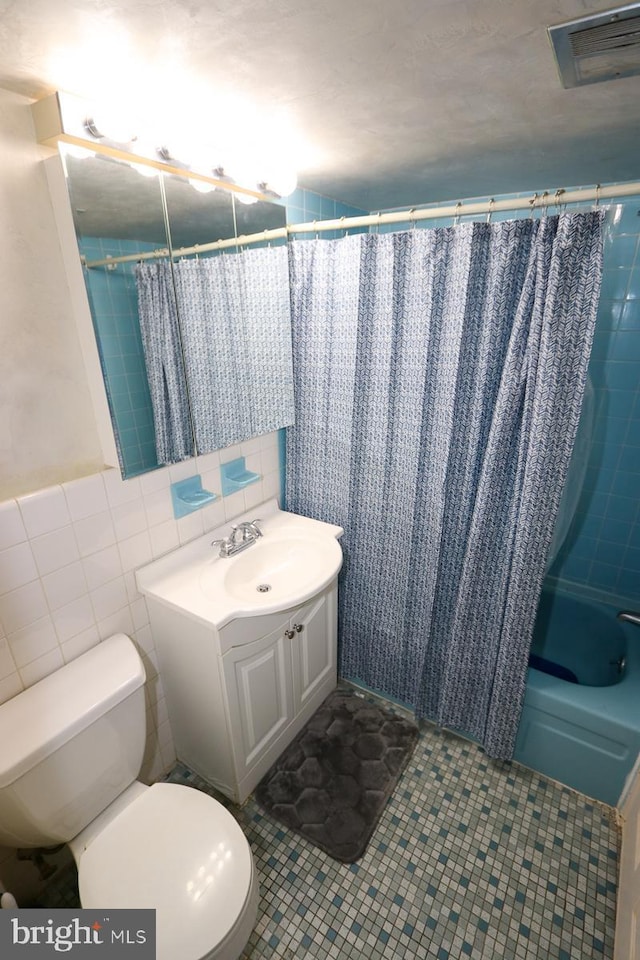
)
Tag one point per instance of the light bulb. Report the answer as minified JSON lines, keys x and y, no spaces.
{"x":144,"y":170}
{"x":245,"y":198}
{"x":282,"y":182}
{"x":108,"y":122}
{"x":202,"y":186}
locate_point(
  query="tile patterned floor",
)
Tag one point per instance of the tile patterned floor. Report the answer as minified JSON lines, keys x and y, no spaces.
{"x":471,"y":858}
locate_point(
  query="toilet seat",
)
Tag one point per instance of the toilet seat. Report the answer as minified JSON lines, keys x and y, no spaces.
{"x":181,"y":852}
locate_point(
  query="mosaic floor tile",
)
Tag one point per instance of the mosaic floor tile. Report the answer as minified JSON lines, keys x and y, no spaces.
{"x":470,"y":858}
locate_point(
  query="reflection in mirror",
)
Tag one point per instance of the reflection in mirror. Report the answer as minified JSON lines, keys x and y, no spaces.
{"x":238,"y":349}
{"x":235,"y":326}
{"x":117,"y":212}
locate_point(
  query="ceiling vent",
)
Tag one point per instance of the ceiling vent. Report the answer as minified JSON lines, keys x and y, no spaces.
{"x":601,"y":47}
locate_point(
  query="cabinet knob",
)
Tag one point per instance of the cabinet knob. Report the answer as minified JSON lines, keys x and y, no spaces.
{"x":298,"y":627}
{"x":289,"y":634}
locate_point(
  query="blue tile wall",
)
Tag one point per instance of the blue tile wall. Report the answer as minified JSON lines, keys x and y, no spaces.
{"x":601,"y":555}
{"x":305,"y":206}
{"x":602,"y":551}
{"x":114,"y":307}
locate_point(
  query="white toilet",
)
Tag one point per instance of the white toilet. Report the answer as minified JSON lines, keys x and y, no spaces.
{"x":70,"y":750}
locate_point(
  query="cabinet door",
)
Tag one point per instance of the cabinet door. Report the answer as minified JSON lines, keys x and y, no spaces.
{"x":314,"y":649}
{"x":260,"y":696}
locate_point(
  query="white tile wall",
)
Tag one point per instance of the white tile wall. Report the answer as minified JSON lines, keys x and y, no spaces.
{"x":67,"y":560}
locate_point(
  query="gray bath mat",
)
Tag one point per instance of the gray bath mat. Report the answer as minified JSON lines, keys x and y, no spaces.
{"x":332,"y":782}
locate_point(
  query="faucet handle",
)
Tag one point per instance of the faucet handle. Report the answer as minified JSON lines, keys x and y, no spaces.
{"x":254,"y":524}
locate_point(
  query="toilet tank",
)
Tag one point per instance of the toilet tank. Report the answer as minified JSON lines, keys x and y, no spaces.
{"x":70,"y":744}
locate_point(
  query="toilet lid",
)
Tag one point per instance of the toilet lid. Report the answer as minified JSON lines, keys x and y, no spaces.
{"x":181,"y":852}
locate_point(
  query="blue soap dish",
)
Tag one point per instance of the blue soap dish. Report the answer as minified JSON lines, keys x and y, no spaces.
{"x":188,"y":496}
{"x":235,"y":476}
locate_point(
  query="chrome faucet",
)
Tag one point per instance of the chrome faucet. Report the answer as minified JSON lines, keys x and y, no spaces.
{"x":242,"y":536}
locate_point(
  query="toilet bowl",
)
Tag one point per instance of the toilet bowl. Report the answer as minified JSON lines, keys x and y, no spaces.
{"x":174,"y":849}
{"x":166,"y":847}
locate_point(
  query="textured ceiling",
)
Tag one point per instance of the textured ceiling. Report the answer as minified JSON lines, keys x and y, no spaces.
{"x":398,"y":103}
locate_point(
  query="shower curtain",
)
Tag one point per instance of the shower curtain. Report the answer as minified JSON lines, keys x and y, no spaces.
{"x":218,"y":363}
{"x":439,"y":377}
{"x":160,"y":332}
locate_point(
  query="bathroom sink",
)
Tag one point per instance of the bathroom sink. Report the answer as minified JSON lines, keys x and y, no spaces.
{"x":295,"y":558}
{"x":281,"y":568}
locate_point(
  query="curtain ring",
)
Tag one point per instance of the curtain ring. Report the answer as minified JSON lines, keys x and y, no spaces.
{"x":598,"y":188}
{"x":491,"y":203}
{"x":557,"y":196}
{"x":345,"y":232}
{"x":378,"y":223}
{"x":456,"y":215}
{"x":316,"y":229}
{"x":412,"y":219}
{"x":532,"y":204}
{"x":544,"y":203}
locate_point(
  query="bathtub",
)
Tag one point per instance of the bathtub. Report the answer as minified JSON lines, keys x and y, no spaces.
{"x":580,"y":721}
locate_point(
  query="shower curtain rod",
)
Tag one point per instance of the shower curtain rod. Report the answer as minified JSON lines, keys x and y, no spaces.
{"x":536,"y":202}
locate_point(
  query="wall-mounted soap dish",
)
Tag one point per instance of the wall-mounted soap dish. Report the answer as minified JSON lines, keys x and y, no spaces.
{"x":235,"y":476}
{"x":188,"y":496}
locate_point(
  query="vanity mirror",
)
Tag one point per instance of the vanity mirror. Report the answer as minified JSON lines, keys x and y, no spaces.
{"x":194,"y":344}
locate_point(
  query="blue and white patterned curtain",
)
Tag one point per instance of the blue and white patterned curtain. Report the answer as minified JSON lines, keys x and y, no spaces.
{"x":163,"y":359}
{"x":236,"y":342}
{"x":439,"y":376}
{"x":236,"y":329}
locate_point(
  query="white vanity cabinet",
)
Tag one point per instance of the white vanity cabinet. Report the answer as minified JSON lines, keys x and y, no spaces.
{"x":237,"y":696}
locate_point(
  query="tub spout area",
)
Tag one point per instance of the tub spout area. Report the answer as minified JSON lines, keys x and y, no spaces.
{"x":629,"y":616}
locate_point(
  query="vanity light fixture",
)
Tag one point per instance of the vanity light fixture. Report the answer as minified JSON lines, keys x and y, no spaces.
{"x":64,"y":118}
{"x":103,"y":123}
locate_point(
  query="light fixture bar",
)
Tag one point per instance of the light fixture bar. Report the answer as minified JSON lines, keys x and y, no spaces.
{"x":62,"y":118}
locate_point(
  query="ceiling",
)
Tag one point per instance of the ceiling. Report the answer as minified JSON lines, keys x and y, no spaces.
{"x":388,"y":104}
